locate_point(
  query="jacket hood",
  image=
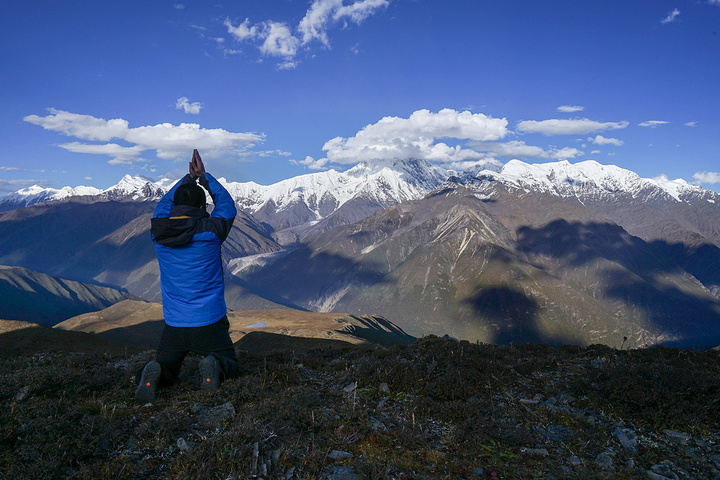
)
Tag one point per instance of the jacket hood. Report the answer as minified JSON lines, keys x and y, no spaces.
{"x":179,"y":229}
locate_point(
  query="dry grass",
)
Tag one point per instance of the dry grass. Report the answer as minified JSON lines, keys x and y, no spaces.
{"x":433,"y":410}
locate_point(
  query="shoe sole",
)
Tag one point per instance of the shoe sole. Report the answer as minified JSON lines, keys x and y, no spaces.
{"x":209,"y":373}
{"x":145,"y":391}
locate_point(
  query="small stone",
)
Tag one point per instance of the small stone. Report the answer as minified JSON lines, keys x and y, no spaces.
{"x":22,"y":394}
{"x":182,"y":445}
{"x":537,"y":452}
{"x":383,"y":389}
{"x":340,"y":473}
{"x":598,"y":363}
{"x":575,"y":461}
{"x":604,"y":461}
{"x":350,"y":388}
{"x":662,"y":472}
{"x":624,"y":440}
{"x":340,"y":455}
{"x":677,"y":437}
{"x":377,"y":424}
{"x":214,"y":417}
{"x":289,"y":474}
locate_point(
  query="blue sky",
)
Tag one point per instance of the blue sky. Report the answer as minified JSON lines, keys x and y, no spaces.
{"x":270,"y":89}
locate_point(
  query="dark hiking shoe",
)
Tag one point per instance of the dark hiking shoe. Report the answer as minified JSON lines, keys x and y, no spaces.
{"x":209,"y":373}
{"x":145,"y":391}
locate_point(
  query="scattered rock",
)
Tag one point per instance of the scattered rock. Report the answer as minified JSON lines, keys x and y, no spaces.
{"x":383,"y":389}
{"x":340,"y":455}
{"x":22,"y":394}
{"x":350,"y":388}
{"x":182,"y":445}
{"x":214,"y":417}
{"x":677,"y":437}
{"x":340,"y":473}
{"x":625,"y":440}
{"x":598,"y":363}
{"x":535,"y":452}
{"x":604,"y":461}
{"x":377,"y":424}
{"x":555,"y":432}
{"x":661,"y":472}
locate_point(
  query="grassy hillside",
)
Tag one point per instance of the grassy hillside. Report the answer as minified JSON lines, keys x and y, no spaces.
{"x":435,"y":409}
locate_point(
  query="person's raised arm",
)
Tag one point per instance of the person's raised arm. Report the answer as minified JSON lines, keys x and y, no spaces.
{"x":224,"y":203}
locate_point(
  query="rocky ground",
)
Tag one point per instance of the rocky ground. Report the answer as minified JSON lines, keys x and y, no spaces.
{"x":437,"y":409}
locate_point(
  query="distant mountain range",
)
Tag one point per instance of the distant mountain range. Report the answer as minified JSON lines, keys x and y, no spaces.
{"x":45,"y":300}
{"x":557,"y":252}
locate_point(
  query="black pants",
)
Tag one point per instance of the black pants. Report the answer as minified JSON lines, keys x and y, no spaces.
{"x":177,"y":342}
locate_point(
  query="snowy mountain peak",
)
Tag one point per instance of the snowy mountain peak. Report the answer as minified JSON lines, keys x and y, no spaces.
{"x":37,"y":194}
{"x":135,"y":187}
{"x":590,"y":179}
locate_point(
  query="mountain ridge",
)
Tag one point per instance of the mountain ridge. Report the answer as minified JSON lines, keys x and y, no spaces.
{"x":556,"y":253}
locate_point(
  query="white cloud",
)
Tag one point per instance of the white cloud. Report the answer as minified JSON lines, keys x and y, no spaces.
{"x":600,"y":140}
{"x":243,"y":31}
{"x":311,"y":163}
{"x":325,"y":13}
{"x":416,"y":137}
{"x":179,"y":6}
{"x":277,"y":39}
{"x":120,"y":155}
{"x":169,"y":141}
{"x":693,"y":123}
{"x":519,"y":149}
{"x":707,"y":177}
{"x":565,"y":153}
{"x":671,"y":17}
{"x":714,"y":2}
{"x":184,"y":104}
{"x":570,"y":108}
{"x":314,"y":25}
{"x":577,"y":126}
{"x":653,"y":123}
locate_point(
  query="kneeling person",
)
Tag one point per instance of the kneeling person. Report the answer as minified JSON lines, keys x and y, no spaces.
{"x":188,"y":243}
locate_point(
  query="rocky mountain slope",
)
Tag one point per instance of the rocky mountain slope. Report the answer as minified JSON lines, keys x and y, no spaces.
{"x":35,"y":297}
{"x":500,"y":268}
{"x":106,"y":243}
{"x":555,"y":252}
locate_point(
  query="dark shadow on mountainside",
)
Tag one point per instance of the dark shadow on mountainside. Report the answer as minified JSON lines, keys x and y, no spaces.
{"x":512,"y":315}
{"x":640,"y":274}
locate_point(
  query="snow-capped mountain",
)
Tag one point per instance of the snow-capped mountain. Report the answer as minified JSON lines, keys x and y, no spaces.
{"x":557,"y":252}
{"x":36,"y":194}
{"x":590,"y":179}
{"x":135,"y":188}
{"x":129,"y":188}
{"x":308,"y":199}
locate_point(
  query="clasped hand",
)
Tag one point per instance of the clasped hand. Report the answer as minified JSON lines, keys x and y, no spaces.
{"x":197,"y":169}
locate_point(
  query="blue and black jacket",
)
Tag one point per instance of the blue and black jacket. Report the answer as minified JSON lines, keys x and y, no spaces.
{"x":187,"y":243}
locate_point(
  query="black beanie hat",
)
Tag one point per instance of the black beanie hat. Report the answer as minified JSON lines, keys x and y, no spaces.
{"x":190,"y":194}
